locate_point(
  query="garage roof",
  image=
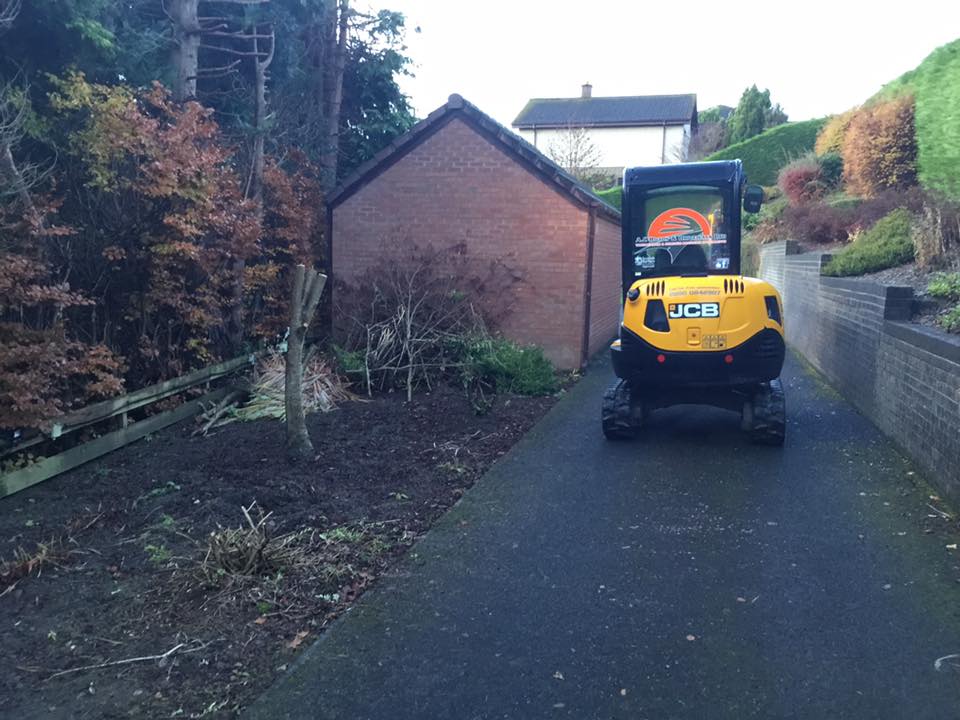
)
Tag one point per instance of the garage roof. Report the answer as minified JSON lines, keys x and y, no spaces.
{"x":505,"y":139}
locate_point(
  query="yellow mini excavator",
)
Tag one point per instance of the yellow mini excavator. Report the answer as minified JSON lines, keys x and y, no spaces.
{"x":694,"y":330}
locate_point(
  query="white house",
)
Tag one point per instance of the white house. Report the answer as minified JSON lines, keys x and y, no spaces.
{"x":626,"y":131}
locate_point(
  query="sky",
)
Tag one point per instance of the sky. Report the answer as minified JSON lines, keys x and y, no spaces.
{"x":817,"y":57}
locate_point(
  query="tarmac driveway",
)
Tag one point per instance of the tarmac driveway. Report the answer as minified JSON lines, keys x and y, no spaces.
{"x":688,"y":574}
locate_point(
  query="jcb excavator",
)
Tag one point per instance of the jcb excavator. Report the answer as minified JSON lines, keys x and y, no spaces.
{"x":694,"y":330}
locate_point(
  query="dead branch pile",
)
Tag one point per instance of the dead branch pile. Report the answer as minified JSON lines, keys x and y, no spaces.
{"x":323,"y":389}
{"x":409,"y":317}
{"x":47,"y":554}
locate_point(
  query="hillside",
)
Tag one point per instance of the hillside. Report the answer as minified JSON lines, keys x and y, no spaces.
{"x":764,"y":154}
{"x":935,"y":85}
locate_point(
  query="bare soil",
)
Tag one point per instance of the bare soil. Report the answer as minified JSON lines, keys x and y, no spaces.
{"x":124,"y":574}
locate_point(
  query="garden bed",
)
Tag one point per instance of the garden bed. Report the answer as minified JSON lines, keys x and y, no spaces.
{"x":118,"y":547}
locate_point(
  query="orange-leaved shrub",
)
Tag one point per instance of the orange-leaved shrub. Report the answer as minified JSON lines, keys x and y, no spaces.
{"x":880,"y":148}
{"x":831,"y":135}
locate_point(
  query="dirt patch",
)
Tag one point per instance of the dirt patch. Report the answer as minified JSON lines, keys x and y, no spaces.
{"x":121,"y":577}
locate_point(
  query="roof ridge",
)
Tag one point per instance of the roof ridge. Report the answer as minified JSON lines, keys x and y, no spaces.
{"x":616,"y":97}
{"x":494,"y":132}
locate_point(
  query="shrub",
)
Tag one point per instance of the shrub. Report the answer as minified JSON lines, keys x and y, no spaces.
{"x":887,"y":244}
{"x":830,"y":137}
{"x":611,"y":196}
{"x":750,"y":258}
{"x":880,"y":149}
{"x":945,"y":285}
{"x":817,"y":223}
{"x":506,"y":366}
{"x":950,"y":320}
{"x":800,"y":180}
{"x":831,"y":169}
{"x":407,"y":316}
{"x":764,"y":154}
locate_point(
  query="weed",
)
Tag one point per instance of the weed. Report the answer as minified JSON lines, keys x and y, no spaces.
{"x":342,"y":534}
{"x":950,"y":320}
{"x":159,"y":554}
{"x":159,"y":491}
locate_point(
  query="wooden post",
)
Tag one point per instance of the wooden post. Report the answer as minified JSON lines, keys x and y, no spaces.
{"x":307,"y":288}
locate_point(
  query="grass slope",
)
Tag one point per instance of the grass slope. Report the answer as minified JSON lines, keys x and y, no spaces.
{"x":764,"y":154}
{"x":935,"y":84}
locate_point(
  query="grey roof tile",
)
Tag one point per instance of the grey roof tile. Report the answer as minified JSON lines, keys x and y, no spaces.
{"x":599,"y":111}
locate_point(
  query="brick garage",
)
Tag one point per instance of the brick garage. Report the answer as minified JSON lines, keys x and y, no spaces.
{"x":460,"y":177}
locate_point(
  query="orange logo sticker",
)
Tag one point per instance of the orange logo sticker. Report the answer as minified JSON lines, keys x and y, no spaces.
{"x":678,"y":222}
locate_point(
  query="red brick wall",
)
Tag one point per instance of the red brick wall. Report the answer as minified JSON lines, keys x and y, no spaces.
{"x":456,"y":186}
{"x":605,"y":296}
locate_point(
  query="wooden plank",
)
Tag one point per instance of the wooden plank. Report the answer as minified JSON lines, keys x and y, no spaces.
{"x":152,"y":393}
{"x":122,"y":404}
{"x":74,"y":457}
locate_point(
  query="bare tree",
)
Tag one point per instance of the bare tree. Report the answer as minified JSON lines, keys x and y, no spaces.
{"x":307,"y":288}
{"x":17,"y":178}
{"x":574,"y":151}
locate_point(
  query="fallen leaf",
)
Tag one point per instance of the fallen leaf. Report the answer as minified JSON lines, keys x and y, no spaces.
{"x":623,"y":692}
{"x":558,"y":675}
{"x":298,"y":639}
{"x":952,"y":546}
{"x":741,"y":599}
{"x":691,"y":638}
{"x":260,"y":620}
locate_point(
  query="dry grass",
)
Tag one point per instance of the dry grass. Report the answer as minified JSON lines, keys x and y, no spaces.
{"x":24,"y":564}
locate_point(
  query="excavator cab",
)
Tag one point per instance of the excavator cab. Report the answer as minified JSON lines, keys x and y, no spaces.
{"x":694,"y":329}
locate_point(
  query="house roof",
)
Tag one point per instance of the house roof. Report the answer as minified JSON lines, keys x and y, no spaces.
{"x":508,"y":141}
{"x":607,"y":111}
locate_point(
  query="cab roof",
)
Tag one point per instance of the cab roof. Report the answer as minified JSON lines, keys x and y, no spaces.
{"x":695,"y":173}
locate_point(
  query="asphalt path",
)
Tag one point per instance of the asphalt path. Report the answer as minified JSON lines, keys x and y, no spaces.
{"x":687,"y":574}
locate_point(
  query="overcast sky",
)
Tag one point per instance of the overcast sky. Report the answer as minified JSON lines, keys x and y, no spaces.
{"x":816,"y":56}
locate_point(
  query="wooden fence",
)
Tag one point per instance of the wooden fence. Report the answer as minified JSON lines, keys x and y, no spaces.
{"x":119,"y":406}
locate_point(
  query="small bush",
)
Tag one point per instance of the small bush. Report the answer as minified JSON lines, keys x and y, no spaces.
{"x":887,"y":244}
{"x":831,"y":169}
{"x":950,"y":320}
{"x":945,"y":285}
{"x":830,"y":138}
{"x":506,"y":366}
{"x":800,"y":180}
{"x":880,"y":149}
{"x":817,"y":223}
{"x":750,"y":258}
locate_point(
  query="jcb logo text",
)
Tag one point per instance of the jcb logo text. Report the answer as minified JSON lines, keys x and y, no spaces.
{"x":694,"y":310}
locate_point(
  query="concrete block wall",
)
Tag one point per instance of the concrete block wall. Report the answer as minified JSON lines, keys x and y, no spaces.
{"x":904,"y":377}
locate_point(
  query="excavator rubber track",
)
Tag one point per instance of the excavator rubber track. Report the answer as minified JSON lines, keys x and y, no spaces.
{"x":616,"y":412}
{"x":769,"y":414}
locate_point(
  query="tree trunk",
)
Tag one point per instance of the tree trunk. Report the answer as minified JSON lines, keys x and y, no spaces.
{"x":186,"y":49}
{"x":307,"y":288}
{"x":254,"y":190}
{"x":335,"y":56}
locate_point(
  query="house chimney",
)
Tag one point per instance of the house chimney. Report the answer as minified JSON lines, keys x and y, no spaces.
{"x":586,"y":90}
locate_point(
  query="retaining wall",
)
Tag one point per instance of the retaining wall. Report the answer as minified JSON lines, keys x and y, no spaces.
{"x":903,"y":376}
